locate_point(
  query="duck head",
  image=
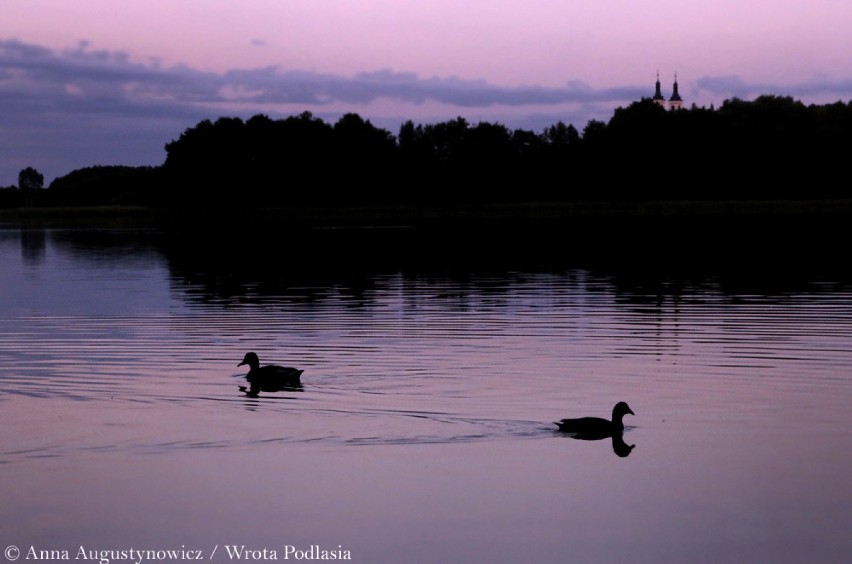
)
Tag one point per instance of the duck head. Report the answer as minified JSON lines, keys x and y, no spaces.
{"x":620,"y":410}
{"x":621,"y":407}
{"x":250,"y":359}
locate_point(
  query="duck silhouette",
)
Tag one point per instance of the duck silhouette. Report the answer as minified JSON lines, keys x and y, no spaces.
{"x":269,"y":378}
{"x":596,"y":427}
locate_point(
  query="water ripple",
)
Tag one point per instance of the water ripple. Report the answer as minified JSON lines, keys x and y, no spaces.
{"x":417,"y":360}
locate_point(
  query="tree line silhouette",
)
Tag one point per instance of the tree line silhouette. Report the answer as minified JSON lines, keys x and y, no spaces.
{"x":771,"y":148}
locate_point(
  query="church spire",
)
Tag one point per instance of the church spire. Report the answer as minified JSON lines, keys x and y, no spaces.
{"x":675,"y":102}
{"x":658,"y":95}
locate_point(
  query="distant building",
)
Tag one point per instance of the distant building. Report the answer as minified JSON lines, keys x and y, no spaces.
{"x":658,"y":96}
{"x":674,"y":103}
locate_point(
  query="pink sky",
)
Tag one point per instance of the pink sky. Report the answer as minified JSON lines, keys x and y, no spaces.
{"x":75,"y":77}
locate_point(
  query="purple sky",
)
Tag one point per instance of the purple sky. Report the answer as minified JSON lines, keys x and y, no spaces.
{"x":110,"y":82}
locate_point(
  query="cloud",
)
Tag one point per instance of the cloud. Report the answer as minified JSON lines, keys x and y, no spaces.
{"x":818,"y":90}
{"x":69,"y":108}
{"x":104,"y":82}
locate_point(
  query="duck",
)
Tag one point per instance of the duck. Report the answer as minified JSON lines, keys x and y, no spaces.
{"x":597,"y":427}
{"x":269,"y":378}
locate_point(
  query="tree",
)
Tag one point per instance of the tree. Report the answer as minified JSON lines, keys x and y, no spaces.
{"x":30,"y":179}
{"x":594,"y":131}
{"x":366,"y":155}
{"x":560,"y":135}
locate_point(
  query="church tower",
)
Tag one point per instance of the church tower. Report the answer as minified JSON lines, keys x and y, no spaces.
{"x":675,"y":102}
{"x":658,"y":96}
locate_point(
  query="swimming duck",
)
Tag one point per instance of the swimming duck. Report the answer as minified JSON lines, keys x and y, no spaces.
{"x":596,"y":427}
{"x":269,"y":378}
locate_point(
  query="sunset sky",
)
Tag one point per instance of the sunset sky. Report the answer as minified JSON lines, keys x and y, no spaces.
{"x":102,"y":82}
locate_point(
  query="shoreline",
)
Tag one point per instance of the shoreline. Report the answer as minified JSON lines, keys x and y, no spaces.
{"x":531,"y":214}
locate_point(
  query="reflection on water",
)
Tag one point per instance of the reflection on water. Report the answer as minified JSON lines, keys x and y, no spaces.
{"x":33,"y":244}
{"x":619,"y":447}
{"x":433,"y":369}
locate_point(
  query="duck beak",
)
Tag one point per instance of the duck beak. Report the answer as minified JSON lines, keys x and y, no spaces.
{"x":240,"y":364}
{"x":630,"y":411}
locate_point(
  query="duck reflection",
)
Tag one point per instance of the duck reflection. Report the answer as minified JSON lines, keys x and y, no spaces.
{"x":619,"y":447}
{"x":254,"y":391}
{"x":597,"y":428}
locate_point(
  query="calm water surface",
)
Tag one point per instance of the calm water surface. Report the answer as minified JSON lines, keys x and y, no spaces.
{"x":423,"y":430}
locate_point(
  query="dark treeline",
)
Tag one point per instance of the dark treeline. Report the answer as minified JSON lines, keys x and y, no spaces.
{"x":770,"y":148}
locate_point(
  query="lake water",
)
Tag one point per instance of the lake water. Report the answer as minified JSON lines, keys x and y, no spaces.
{"x":433,"y":372}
